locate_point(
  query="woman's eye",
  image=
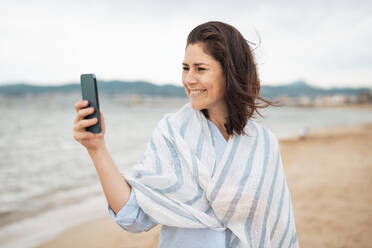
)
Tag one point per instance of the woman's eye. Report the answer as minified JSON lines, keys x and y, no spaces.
{"x":185,"y":68}
{"x":201,"y":69}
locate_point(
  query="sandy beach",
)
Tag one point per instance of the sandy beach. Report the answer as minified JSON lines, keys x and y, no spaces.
{"x":330,"y":178}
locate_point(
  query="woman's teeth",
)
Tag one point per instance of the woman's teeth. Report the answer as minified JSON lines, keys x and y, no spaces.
{"x":196,"y":92}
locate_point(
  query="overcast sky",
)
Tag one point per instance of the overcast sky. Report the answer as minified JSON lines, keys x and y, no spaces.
{"x":326,"y":43}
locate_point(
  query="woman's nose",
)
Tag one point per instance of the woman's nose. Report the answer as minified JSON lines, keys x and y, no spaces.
{"x":190,"y":78}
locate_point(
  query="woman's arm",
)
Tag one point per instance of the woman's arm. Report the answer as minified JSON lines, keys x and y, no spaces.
{"x":114,"y":185}
{"x":123,"y":206}
{"x":116,"y":189}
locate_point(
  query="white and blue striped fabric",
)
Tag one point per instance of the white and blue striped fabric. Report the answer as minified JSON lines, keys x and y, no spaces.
{"x":176,"y":184}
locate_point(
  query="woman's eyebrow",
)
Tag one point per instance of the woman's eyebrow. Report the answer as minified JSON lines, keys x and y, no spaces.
{"x":196,"y":64}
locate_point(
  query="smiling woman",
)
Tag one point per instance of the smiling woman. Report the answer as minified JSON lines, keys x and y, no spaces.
{"x":204,"y":82}
{"x":220,"y":68}
{"x":211,"y":176}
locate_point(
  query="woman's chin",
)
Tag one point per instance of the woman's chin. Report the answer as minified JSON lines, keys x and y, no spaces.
{"x":197,"y":106}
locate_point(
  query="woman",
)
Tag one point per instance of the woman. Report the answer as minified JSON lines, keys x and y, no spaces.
{"x":210,"y":175}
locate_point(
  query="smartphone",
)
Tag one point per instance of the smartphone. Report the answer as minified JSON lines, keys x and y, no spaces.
{"x":89,"y":92}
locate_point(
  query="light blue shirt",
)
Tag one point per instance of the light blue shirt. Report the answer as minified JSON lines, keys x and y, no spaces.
{"x":131,"y":217}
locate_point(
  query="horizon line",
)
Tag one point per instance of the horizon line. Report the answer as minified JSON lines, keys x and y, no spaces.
{"x":30,"y":83}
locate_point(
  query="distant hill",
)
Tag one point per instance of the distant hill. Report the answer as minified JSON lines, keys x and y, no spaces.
{"x":109,"y":87}
{"x":301,"y":88}
{"x":143,"y":88}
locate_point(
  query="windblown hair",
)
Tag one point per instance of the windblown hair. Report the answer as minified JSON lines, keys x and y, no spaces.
{"x":242,"y":85}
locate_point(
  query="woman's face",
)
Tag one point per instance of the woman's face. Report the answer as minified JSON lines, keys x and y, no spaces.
{"x":203,"y":79}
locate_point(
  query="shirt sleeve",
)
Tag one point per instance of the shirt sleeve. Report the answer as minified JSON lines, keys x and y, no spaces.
{"x":131,"y":217}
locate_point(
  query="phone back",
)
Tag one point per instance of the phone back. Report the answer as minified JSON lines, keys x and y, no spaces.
{"x":90,"y":92}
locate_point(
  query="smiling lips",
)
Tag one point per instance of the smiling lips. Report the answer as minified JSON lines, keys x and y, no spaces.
{"x":197,"y":92}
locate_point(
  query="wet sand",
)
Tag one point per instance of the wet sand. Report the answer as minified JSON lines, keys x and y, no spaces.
{"x":330,"y":178}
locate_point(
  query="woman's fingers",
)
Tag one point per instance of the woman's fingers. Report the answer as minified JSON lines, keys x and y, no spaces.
{"x":80,"y":104}
{"x":82,"y":113}
{"x":84,"y":123}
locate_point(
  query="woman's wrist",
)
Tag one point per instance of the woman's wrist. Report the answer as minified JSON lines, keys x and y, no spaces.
{"x":98,"y":150}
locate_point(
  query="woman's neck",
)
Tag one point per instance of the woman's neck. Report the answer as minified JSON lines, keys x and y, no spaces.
{"x":218,"y":117}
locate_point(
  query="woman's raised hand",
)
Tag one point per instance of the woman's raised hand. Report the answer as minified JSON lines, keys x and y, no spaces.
{"x":90,"y":140}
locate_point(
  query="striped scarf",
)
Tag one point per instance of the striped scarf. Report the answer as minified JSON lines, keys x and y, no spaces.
{"x":178,"y":183}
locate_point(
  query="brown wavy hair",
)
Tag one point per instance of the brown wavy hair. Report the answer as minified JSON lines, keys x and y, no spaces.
{"x":242,"y":85}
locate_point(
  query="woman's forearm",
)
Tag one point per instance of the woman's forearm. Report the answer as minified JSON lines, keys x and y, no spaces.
{"x":115,"y":187}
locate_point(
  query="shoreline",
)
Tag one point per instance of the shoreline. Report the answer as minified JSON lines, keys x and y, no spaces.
{"x":327,"y":132}
{"x":330,"y":145}
{"x":36,"y":230}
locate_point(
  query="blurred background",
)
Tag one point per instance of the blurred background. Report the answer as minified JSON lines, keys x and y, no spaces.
{"x":314,"y":57}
